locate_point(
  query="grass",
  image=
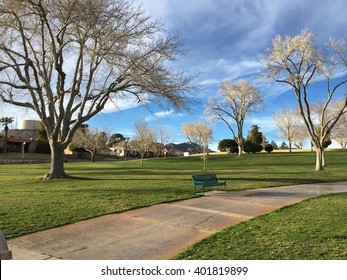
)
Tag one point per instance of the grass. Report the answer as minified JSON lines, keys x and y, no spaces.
{"x":29,"y":204}
{"x":315,"y":229}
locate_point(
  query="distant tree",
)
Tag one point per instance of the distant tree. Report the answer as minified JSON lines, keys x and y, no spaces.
{"x":228,"y":145}
{"x":297,"y":62}
{"x":250,"y":147}
{"x":269,"y":148}
{"x":236,"y":100}
{"x":92,"y":140}
{"x":256,"y":138}
{"x":300,"y":135}
{"x":284,"y":146}
{"x":143,"y":139}
{"x":287,"y":120}
{"x":274,"y":145}
{"x":339,"y":133}
{"x":161,"y":137}
{"x":115,"y":139}
{"x":200,"y":134}
{"x":5,"y":121}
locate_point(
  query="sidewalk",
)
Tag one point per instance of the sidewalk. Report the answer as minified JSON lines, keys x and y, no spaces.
{"x":159,"y":231}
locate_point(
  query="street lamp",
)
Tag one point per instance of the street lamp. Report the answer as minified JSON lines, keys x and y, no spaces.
{"x":23,"y":151}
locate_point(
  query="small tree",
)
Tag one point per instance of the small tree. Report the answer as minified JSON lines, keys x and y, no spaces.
{"x":256,"y":138}
{"x":228,"y":145}
{"x":339,"y":133}
{"x":269,"y":148}
{"x":287,"y":120}
{"x":143,"y":139}
{"x":92,"y":140}
{"x":161,"y":137}
{"x":200,"y":134}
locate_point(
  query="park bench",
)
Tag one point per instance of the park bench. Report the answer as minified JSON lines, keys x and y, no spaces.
{"x":207,"y":180}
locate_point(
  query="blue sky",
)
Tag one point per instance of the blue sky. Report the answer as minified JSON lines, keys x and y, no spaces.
{"x":224,"y":39}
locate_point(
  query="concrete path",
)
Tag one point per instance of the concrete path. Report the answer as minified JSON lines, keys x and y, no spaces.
{"x":160,"y":231}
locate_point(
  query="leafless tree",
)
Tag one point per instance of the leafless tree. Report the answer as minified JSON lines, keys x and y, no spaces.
{"x":92,"y":140}
{"x":296,"y":61}
{"x":199,"y":134}
{"x":300,"y":135}
{"x":339,"y":132}
{"x":236,"y":100}
{"x":143,"y":139}
{"x":287,"y":121}
{"x":161,"y":137}
{"x":67,"y":59}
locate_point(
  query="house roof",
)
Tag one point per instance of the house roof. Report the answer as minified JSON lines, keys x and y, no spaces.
{"x":20,"y":135}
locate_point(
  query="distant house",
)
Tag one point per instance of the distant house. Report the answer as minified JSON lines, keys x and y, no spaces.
{"x":18,"y":137}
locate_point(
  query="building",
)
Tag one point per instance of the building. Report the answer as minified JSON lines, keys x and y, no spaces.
{"x":18,"y":137}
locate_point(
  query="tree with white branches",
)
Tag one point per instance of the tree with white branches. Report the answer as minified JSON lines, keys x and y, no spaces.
{"x":235,"y":102}
{"x":297,"y":62}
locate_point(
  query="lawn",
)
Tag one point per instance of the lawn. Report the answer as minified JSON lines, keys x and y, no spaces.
{"x":29,"y":204}
{"x":315,"y":229}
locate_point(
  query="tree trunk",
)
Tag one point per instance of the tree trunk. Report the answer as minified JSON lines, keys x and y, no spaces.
{"x":240,"y":141}
{"x":290,"y":146}
{"x":57,"y":162}
{"x":319,"y":159}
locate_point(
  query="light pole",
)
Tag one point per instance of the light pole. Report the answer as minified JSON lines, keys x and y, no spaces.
{"x":23,"y":151}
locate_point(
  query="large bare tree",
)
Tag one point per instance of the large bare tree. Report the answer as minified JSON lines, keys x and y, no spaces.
{"x":236,"y":100}
{"x":297,"y":61}
{"x":66,"y":59}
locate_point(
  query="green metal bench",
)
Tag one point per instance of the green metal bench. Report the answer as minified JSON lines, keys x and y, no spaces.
{"x":207,"y":180}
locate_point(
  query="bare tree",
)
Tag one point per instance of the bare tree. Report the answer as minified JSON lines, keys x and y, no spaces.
{"x":66,"y":59}
{"x":161,"y":137}
{"x":200,"y":134}
{"x":296,"y":61}
{"x":300,"y":135}
{"x":92,"y":140}
{"x":287,"y":121}
{"x":235,"y":102}
{"x":339,"y":132}
{"x":143,"y":139}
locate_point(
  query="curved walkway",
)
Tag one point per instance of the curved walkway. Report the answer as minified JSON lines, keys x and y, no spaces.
{"x":160,"y":231}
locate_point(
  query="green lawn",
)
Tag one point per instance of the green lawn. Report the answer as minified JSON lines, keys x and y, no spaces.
{"x":29,"y":204}
{"x":315,"y":229}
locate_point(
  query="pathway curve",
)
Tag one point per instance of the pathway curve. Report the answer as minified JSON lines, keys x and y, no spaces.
{"x":160,"y":231}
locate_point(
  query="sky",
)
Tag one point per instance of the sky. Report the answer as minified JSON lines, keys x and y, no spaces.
{"x":224,"y":39}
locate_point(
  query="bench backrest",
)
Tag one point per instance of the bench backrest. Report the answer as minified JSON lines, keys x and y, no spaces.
{"x":205,"y":178}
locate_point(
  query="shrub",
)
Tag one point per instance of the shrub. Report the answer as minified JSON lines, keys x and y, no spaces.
{"x":269,"y":148}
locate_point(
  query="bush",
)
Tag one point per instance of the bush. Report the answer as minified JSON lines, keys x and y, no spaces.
{"x":249,"y":147}
{"x":269,"y":148}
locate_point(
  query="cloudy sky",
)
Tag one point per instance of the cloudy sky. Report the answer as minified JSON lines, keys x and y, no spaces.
{"x":224,"y":39}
